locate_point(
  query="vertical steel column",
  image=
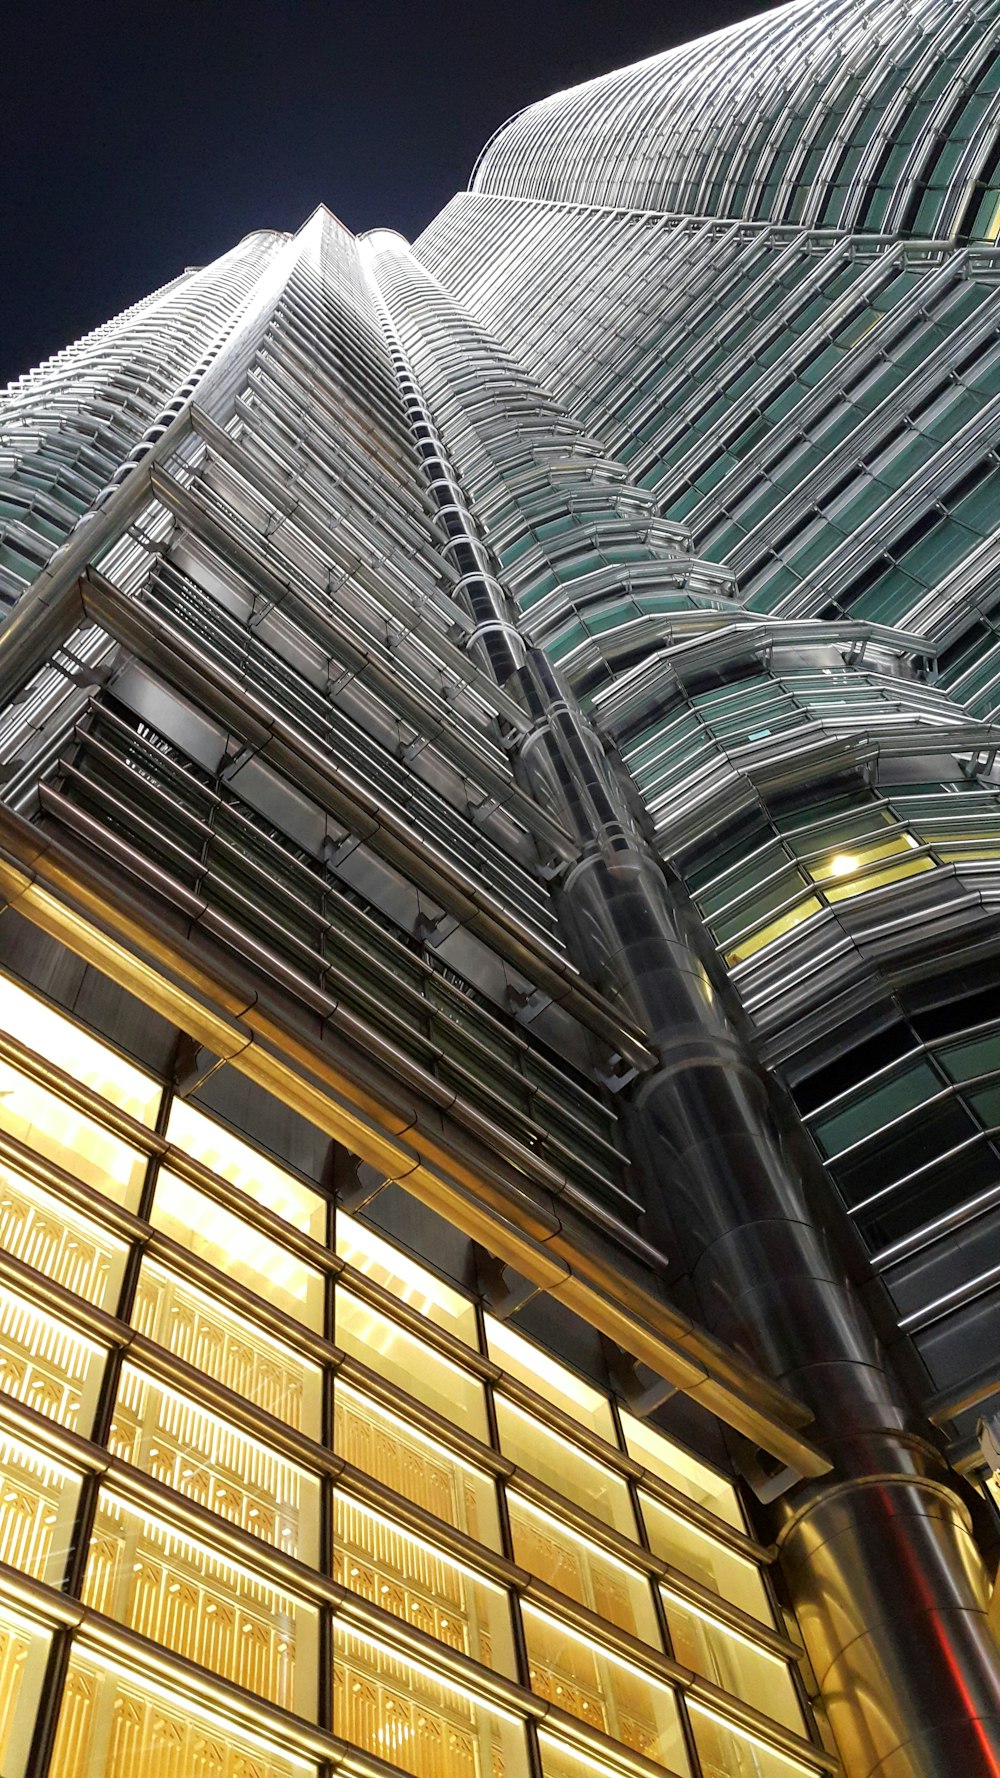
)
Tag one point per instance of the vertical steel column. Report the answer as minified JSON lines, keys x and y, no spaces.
{"x":886,"y":1580}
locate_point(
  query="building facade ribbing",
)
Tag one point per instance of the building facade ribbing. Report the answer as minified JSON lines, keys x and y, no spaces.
{"x":499,"y":836}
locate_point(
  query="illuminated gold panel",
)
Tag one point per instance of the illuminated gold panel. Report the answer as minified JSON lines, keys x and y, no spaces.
{"x":46,"y":1233}
{"x":563,"y":1466}
{"x":197,"y":1222}
{"x":414,"y":1581}
{"x":37,"y":1507}
{"x":733,"y":1662}
{"x":180,"y":1593}
{"x":404,"y":1713}
{"x":384,"y":1446}
{"x":24,"y":1648}
{"x":727,"y":1752}
{"x":685,"y":1472}
{"x":410,"y":1364}
{"x":575,"y":1673}
{"x":578,"y":1568}
{"x":46,"y":1364}
{"x":214,"y":1339}
{"x":412,"y":1283}
{"x":69,"y":1137}
{"x":553,"y":1381}
{"x":560,"y":1761}
{"x":705,"y":1559}
{"x":211,"y":1461}
{"x":113,"y":1725}
{"x":223,"y":1153}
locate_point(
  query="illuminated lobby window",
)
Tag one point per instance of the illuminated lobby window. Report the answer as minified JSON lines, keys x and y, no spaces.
{"x":197,"y":1452}
{"x":561,"y":1761}
{"x":382,"y":1444}
{"x":213,"y":1338}
{"x":116,"y":1724}
{"x":573,"y":1565}
{"x":184,"y":1595}
{"x":47,"y":1233}
{"x":225,"y":1241}
{"x":410,"y":1578}
{"x":57,"y":1131}
{"x":233,"y":1159}
{"x":412,"y":1366}
{"x":405,"y":1713}
{"x":575,"y":1673}
{"x":47,"y":1365}
{"x":24,"y":1648}
{"x":564,"y":1467}
{"x":367,"y":1252}
{"x":56,"y":1038}
{"x":553,"y":1381}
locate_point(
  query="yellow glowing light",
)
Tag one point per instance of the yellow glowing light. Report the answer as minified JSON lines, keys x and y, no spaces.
{"x":842,"y":864}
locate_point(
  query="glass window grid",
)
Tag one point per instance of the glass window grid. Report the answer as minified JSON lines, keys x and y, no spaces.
{"x":241,"y":1306}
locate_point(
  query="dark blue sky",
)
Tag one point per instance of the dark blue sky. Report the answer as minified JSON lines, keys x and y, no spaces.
{"x":141,"y":137}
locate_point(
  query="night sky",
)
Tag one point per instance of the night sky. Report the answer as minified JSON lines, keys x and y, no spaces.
{"x":142,"y":137}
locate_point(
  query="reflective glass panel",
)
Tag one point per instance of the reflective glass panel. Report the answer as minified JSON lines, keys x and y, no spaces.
{"x":207,"y":1458}
{"x":411,"y":1365}
{"x":685,"y":1472}
{"x":47,"y":1233}
{"x":705,"y":1559}
{"x":728,"y":1752}
{"x":114,"y":1723}
{"x":233,"y":1159}
{"x":575,"y":1566}
{"x":225,"y":1241}
{"x":60,"y":1133}
{"x":426,"y":1725}
{"x":559,"y":1385}
{"x":575,"y":1673}
{"x":408,"y":1280}
{"x":24,"y":1649}
{"x":59,"y":1040}
{"x":409,"y":1577}
{"x":38,"y":1499}
{"x":213,"y":1338}
{"x":179,"y":1592}
{"x":47,"y":1364}
{"x":563,"y":1466}
{"x":732,"y":1661}
{"x":383,"y":1445}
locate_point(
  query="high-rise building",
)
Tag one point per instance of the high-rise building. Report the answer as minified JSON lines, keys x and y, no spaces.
{"x":499,"y":961}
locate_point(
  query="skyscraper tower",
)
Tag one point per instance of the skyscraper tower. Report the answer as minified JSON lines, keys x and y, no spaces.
{"x":499,"y":834}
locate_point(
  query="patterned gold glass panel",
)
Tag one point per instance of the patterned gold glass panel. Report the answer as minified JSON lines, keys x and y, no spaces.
{"x":76,"y":1052}
{"x":367,"y":1252}
{"x":24,"y":1648}
{"x":576,"y":1674}
{"x":211,"y":1461}
{"x":60,"y":1133}
{"x":115,"y":1724}
{"x":705,"y":1559}
{"x":197,"y":1222}
{"x":732,"y":1662}
{"x":408,"y":1577}
{"x":563,"y":1466}
{"x":46,"y":1364}
{"x":560,"y":1761}
{"x":578,"y":1568}
{"x":38,"y":1500}
{"x":181,"y":1593}
{"x":410,"y":1364}
{"x":223,"y":1153}
{"x":213,"y":1338}
{"x":727,"y":1752}
{"x":405,"y":1713}
{"x":685,"y":1472}
{"x":48,"y":1234}
{"x":384,"y":1446}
